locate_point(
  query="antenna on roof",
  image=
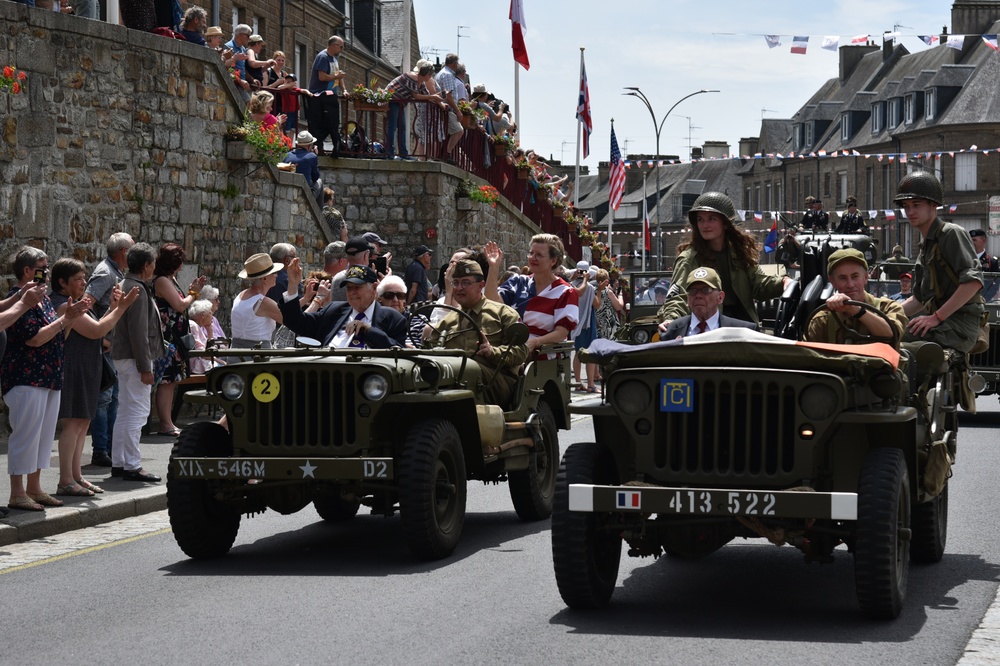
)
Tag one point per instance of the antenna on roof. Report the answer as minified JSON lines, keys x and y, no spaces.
{"x":763,"y":111}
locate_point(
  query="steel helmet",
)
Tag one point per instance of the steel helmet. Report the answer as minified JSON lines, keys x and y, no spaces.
{"x":920,"y":185}
{"x":714,"y":202}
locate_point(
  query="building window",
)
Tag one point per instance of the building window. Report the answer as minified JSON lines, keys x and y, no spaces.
{"x":965,"y":172}
{"x":930,"y":101}
{"x":909,"y":104}
{"x":778,"y":201}
{"x":795,"y":193}
{"x":893,"y":120}
{"x":845,"y":127}
{"x":870,"y":187}
{"x":807,"y":188}
{"x":797,"y":140}
{"x":841,"y":187}
{"x":255,"y":25}
{"x":878,"y":109}
{"x":302,"y":66}
{"x":747,"y":201}
{"x":809,"y":135}
{"x":756,"y":196}
{"x":236,"y":19}
{"x":768,"y":196}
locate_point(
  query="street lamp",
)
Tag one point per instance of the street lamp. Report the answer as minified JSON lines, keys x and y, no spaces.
{"x":635,"y":92}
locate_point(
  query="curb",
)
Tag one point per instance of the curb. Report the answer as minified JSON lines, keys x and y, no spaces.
{"x":23,"y":526}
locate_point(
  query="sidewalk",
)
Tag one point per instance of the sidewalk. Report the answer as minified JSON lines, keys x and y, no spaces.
{"x":120,"y":499}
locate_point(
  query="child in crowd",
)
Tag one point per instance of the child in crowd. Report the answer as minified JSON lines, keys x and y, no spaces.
{"x":260,"y":110}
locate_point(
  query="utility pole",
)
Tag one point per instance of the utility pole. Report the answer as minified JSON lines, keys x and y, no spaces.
{"x":690,"y":127}
{"x":458,"y":38}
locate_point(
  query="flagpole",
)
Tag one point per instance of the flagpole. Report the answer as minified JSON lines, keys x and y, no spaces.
{"x":611,"y":209}
{"x":579,"y":135}
{"x":645,"y":221}
{"x":517,"y":102}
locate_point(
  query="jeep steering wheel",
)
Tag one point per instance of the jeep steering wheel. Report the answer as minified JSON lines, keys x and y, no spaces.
{"x":852,"y":333}
{"x":428,"y":308}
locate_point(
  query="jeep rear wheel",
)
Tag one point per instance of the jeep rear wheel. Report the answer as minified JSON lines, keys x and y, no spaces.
{"x":432,"y":489}
{"x":586,"y":549}
{"x":203,"y":526}
{"x":335,"y":509}
{"x":882,"y":540}
{"x":930,"y":529}
{"x":532,"y":489}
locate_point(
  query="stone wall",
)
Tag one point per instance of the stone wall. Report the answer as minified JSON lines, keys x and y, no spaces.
{"x":124,"y":131}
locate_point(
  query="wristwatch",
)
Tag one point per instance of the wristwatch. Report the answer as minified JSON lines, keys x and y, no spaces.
{"x":860,"y":314}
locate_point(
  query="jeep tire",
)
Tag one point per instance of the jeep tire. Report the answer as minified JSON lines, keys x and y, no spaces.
{"x":585,"y":552}
{"x":335,"y":509}
{"x":203,"y":526}
{"x":532,"y":489}
{"x":882,"y":540}
{"x":432,"y":488}
{"x":930,"y":529}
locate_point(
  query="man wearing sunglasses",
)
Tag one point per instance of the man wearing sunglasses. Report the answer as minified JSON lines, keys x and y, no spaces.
{"x":494,"y":319}
{"x":704,"y":297}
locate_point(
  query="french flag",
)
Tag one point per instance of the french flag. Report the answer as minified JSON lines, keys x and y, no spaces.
{"x":800,"y":44}
{"x":758,"y":216}
{"x":991,"y":41}
{"x":890,"y":215}
{"x":628,"y":499}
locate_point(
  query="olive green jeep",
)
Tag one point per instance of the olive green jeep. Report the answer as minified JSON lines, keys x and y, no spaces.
{"x":399,"y":429}
{"x":649,"y":291}
{"x":739,"y":434}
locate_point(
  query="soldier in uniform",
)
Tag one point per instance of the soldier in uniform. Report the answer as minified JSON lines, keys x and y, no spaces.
{"x":847,"y":270}
{"x":494,"y":319}
{"x":946,"y":306}
{"x":717,"y":242}
{"x":989,"y":264}
{"x":893,"y":272}
{"x":815,"y":219}
{"x":852,"y":222}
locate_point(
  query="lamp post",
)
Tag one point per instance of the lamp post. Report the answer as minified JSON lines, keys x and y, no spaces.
{"x":635,"y":92}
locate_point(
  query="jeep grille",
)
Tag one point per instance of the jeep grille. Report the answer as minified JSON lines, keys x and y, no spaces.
{"x":991,"y":357}
{"x":315,"y":410}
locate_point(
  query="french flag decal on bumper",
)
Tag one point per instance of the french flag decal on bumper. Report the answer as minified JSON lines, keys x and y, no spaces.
{"x":629,"y":499}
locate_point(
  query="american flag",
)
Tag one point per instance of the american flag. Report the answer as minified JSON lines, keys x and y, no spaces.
{"x":616,"y":177}
{"x":583,"y":109}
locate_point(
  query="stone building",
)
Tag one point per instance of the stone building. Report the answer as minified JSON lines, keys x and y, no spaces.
{"x":887,"y":113}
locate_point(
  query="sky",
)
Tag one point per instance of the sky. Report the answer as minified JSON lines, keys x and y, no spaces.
{"x":667,"y":48}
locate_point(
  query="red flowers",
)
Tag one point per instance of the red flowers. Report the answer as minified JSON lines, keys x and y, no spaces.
{"x":11,"y":80}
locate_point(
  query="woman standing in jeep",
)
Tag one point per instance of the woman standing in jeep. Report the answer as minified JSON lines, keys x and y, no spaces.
{"x":717,"y":242}
{"x":946,"y":306}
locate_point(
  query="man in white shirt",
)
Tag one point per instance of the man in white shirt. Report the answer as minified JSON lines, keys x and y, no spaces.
{"x":705,"y":296}
{"x":453,"y":90}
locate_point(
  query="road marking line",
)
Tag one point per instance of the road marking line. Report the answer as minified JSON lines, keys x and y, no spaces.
{"x":91,"y":549}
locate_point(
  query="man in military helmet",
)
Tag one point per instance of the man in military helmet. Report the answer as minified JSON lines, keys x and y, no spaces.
{"x":493,"y":350}
{"x":893,"y":272}
{"x":815,"y":219}
{"x":946,"y":306}
{"x":852,"y":222}
{"x":847,"y":271}
{"x":989,"y":264}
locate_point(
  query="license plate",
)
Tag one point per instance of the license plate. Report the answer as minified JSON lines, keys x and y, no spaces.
{"x":713,"y":502}
{"x":340,"y":469}
{"x":676,"y":395}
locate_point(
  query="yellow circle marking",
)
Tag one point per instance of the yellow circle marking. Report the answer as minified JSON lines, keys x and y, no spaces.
{"x":265,"y":387}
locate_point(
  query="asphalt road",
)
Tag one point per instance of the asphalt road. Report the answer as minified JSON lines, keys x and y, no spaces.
{"x":295,"y":590}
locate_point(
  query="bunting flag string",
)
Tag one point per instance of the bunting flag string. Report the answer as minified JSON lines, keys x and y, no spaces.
{"x":815,"y":154}
{"x":800,"y":43}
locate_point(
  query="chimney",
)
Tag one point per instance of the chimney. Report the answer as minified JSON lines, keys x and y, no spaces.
{"x":696,"y":153}
{"x":715,"y":149}
{"x":972,"y":17}
{"x":887,"y":47}
{"x":850,"y":56}
{"x":749,"y":145}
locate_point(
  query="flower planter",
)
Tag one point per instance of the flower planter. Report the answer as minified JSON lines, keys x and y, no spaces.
{"x":239,"y":151}
{"x":499,"y":149}
{"x":468,"y":121}
{"x":522,"y":174}
{"x":465,"y":203}
{"x":366,"y":106}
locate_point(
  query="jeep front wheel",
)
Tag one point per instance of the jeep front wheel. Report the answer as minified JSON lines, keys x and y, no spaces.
{"x":586,"y":547}
{"x":930,"y":529}
{"x":432,"y":489}
{"x":203,"y":526}
{"x":882,"y":539}
{"x":532,"y":489}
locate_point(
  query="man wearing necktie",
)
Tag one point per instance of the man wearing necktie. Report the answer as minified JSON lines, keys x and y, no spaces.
{"x":704,"y":296}
{"x":358,"y":322}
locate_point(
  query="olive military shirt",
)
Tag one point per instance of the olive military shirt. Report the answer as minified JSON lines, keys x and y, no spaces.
{"x":823,"y":328}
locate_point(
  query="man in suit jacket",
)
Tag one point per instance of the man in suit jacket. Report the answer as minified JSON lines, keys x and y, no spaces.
{"x":358,"y":322}
{"x":705,"y":296}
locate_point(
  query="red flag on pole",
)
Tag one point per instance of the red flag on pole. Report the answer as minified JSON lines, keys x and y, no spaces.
{"x":645,"y":228}
{"x":518,"y":27}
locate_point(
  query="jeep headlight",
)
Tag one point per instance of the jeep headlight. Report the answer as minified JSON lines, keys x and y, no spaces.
{"x":232,"y":386}
{"x":818,"y":402}
{"x":374,"y":387}
{"x":633,"y":397}
{"x":640,"y":336}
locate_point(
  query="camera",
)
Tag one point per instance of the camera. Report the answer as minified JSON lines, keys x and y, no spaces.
{"x":41,"y":274}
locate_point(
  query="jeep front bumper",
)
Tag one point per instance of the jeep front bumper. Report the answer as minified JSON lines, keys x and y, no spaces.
{"x":282,"y":469}
{"x":712,"y":502}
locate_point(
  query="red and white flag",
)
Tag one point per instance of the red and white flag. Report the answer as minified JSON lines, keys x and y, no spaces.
{"x":583,"y":108}
{"x":890,"y":215}
{"x":517,"y":27}
{"x":859,"y":39}
{"x":991,"y":41}
{"x":800,"y":44}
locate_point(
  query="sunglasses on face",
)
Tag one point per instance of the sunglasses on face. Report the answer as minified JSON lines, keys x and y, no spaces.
{"x":393,"y":295}
{"x":700,"y":291}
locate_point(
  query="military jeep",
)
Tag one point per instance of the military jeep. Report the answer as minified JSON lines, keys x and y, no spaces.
{"x":395,"y":430}
{"x":641,"y":326}
{"x":740,"y":434}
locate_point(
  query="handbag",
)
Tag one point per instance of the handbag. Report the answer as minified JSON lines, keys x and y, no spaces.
{"x":184,"y":344}
{"x":108,"y":373}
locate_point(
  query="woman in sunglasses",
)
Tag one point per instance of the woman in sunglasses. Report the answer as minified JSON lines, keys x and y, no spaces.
{"x":391,"y":293}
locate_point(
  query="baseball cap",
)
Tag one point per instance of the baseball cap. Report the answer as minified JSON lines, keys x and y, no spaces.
{"x":582,"y":266}
{"x":422,"y":250}
{"x":335,"y":250}
{"x":908,"y":276}
{"x":373,"y":237}
{"x":359,"y":275}
{"x":977,"y":232}
{"x":356,"y":246}
{"x":847,"y":254}
{"x":706,"y":276}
